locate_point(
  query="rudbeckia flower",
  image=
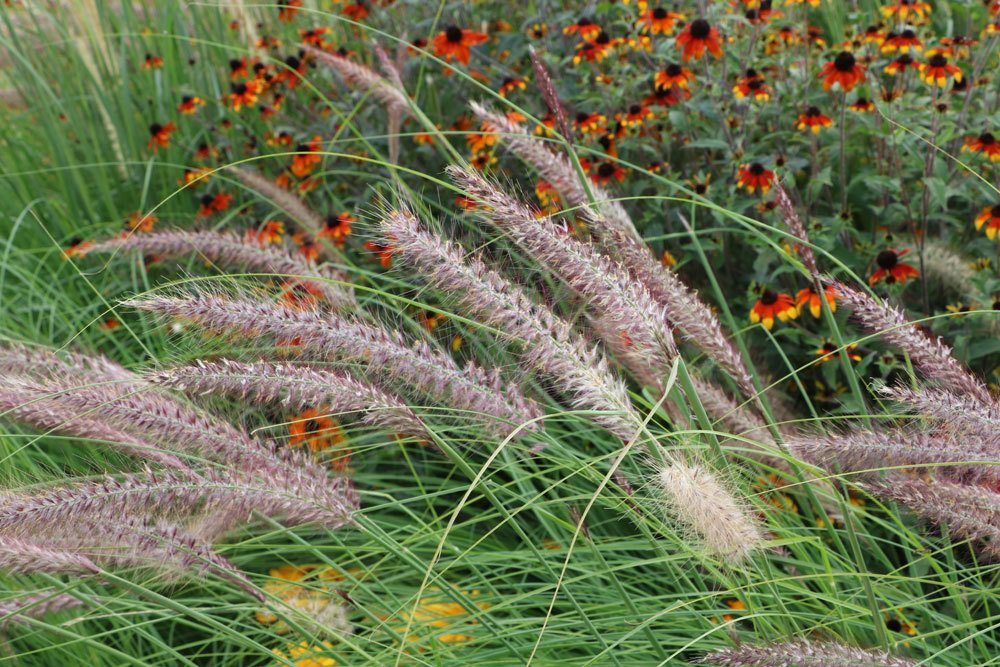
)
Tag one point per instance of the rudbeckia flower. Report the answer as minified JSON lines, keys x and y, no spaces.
{"x":813,"y":119}
{"x":243,"y":94}
{"x":482,"y":161}
{"x":209,"y":204}
{"x":77,"y":248}
{"x":636,"y":115}
{"x":754,"y":176}
{"x":189,"y":104}
{"x":584,"y":27}
{"x":606,"y":171}
{"x":287,"y":9}
{"x":862,"y":104}
{"x":773,"y":305}
{"x":986,"y":144}
{"x":903,"y":42}
{"x":137,"y":222}
{"x":891,"y":269}
{"x":594,"y":51}
{"x":270,"y":233}
{"x":843,"y":70}
{"x":537,"y":31}
{"x":937,"y":70}
{"x":665,"y":97}
{"x":752,"y":85}
{"x":314,"y":36}
{"x":907,"y":9}
{"x":383,"y":252}
{"x":337,"y":228}
{"x":698,"y":36}
{"x":152,"y":62}
{"x":828,"y":350}
{"x":673,"y":75}
{"x":990,"y":217}
{"x":808,"y":296}
{"x":591,"y":123}
{"x":659,"y":21}
{"x":238,"y":68}
{"x":509,"y":84}
{"x":356,"y":11}
{"x":308,"y":158}
{"x":901,"y":63}
{"x":159,"y":135}
{"x":454,"y":42}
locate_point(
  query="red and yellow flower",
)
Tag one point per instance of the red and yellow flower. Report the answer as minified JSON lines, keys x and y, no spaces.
{"x":827,"y":351}
{"x":698,"y":36}
{"x":752,"y":85}
{"x":586,"y":29}
{"x":137,"y":222}
{"x":773,"y":305}
{"x":891,"y":269}
{"x":937,"y":70}
{"x":308,"y":157}
{"x":152,"y":62}
{"x":287,"y":9}
{"x":209,"y":204}
{"x":659,"y":21}
{"x":510,"y":84}
{"x":844,"y":70}
{"x":907,"y":10}
{"x":634,"y":116}
{"x":901,"y":64}
{"x":673,"y":75}
{"x":453,"y":43}
{"x":243,"y":94}
{"x":189,"y":104}
{"x":337,"y":228}
{"x":986,"y":144}
{"x":159,"y":136}
{"x":813,"y":119}
{"x":862,"y":104}
{"x":809,"y":297}
{"x":903,"y":42}
{"x":319,"y":432}
{"x":606,"y":171}
{"x":990,"y":218}
{"x":754,"y":176}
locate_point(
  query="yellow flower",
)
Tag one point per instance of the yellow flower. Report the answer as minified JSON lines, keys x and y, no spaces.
{"x":305,"y":654}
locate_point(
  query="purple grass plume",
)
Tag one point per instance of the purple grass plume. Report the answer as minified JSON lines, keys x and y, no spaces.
{"x":294,"y":386}
{"x":803,"y":653}
{"x":627,"y":313}
{"x":229,"y":249}
{"x":471,"y":391}
{"x":294,"y":206}
{"x":22,"y":556}
{"x":548,"y":342}
{"x":796,"y":228}
{"x":930,"y":355}
{"x":954,"y":412}
{"x":366,"y":79}
{"x":970,"y":512}
{"x":20,"y":610}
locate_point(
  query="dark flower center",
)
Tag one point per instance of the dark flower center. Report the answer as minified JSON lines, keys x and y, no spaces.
{"x":606,"y":170}
{"x":240,"y":88}
{"x":311,"y":426}
{"x":987,"y":138}
{"x":905,"y":59}
{"x":581,"y":117}
{"x":584,"y":21}
{"x":673,"y":69}
{"x":752,"y":15}
{"x":235,"y":64}
{"x":813,"y":111}
{"x":862,"y":102}
{"x":751,"y":73}
{"x":700,"y":28}
{"x":844,"y":62}
{"x":453,"y":34}
{"x":206,"y":200}
{"x":908,"y":34}
{"x":659,"y":13}
{"x":768,"y":297}
{"x":996,"y":305}
{"x":635,"y":109}
{"x":602,"y":38}
{"x":754,"y":84}
{"x":938,"y":60}
{"x":155,"y":128}
{"x":186,"y":99}
{"x":756,"y":169}
{"x":887,"y":259}
{"x":292,"y":62}
{"x":894,"y":625}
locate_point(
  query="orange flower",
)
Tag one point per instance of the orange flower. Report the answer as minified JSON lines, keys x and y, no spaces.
{"x":337,"y":228}
{"x":319,"y":432}
{"x":137,"y":222}
{"x":606,"y":171}
{"x":511,"y":83}
{"x":152,"y":62}
{"x":287,"y":9}
{"x":901,"y":63}
{"x":244,"y":94}
{"x":904,"y":42}
{"x":481,"y":141}
{"x":658,"y":21}
{"x":937,"y":70}
{"x":673,"y":75}
{"x":698,"y":36}
{"x":189,"y":104}
{"x":356,"y":11}
{"x":314,"y":36}
{"x":211,"y":204}
{"x":238,"y":68}
{"x":159,"y":136}
{"x":843,"y":70}
{"x":862,"y":104}
{"x":905,"y":8}
{"x":307,"y":159}
{"x":989,"y":216}
{"x":891,"y":269}
{"x":986,"y":144}
{"x":809,"y":296}
{"x":773,"y":305}
{"x":454,"y":43}
{"x":635,"y":116}
{"x":585,"y":28}
{"x":754,"y":176}
{"x":665,"y":97}
{"x":813,"y":119}
{"x":77,"y":248}
{"x":592,"y":123}
{"x":752,"y":85}
{"x":828,"y":350}
{"x":383,"y":252}
{"x":594,"y":51}
{"x":271,"y":232}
